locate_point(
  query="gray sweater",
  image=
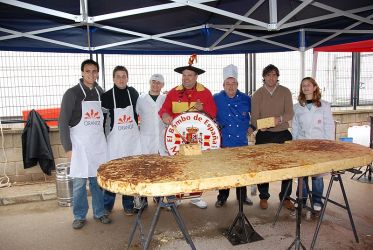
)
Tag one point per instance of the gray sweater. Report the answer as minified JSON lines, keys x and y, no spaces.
{"x":71,"y":110}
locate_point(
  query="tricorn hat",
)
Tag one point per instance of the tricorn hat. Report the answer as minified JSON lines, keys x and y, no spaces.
{"x":190,"y":67}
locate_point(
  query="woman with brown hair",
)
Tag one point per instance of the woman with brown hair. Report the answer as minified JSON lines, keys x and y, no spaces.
{"x":312,"y":119}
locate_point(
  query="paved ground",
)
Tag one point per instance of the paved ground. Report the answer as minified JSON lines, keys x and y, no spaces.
{"x":45,"y":225}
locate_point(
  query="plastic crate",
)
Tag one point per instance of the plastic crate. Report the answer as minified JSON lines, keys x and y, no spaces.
{"x":49,"y":113}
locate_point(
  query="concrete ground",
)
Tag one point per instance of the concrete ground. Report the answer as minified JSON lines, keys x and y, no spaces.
{"x":45,"y":225}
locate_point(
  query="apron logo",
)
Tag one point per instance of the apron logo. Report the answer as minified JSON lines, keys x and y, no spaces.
{"x":192,"y":127}
{"x":92,"y":115}
{"x":125,"y":119}
{"x":125,"y":122}
{"x":92,"y":118}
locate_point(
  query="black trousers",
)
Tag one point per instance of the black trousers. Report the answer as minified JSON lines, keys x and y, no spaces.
{"x":264,"y":137}
{"x":224,"y":193}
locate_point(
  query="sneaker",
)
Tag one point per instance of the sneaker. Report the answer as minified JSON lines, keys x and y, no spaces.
{"x":248,"y":201}
{"x":317,"y":207}
{"x":78,"y":224}
{"x":219,"y":203}
{"x":129,"y":211}
{"x":104,"y":219}
{"x":263,"y":204}
{"x":289,"y":205}
{"x":253,"y":190}
{"x":177,"y":203}
{"x":199,"y":203}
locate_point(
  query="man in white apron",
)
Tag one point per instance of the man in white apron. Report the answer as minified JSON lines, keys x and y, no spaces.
{"x":82,"y":136}
{"x":152,"y":128}
{"x":124,"y":137}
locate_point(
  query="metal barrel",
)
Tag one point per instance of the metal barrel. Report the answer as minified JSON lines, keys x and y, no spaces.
{"x":64,"y":185}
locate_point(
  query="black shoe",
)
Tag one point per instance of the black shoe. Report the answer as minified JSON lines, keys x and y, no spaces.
{"x":129,"y":211}
{"x":219,"y":203}
{"x":108,"y":211}
{"x":78,"y":224}
{"x":104,"y":219}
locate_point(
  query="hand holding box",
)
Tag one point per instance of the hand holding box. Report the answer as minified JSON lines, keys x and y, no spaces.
{"x":268,"y":122}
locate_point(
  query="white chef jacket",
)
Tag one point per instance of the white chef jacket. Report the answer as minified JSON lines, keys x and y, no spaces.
{"x":316,"y":123}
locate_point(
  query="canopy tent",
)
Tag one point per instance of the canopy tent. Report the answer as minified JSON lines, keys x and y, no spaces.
{"x":182,"y":26}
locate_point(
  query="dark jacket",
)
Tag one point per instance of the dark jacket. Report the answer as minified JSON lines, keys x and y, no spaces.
{"x":35,"y":144}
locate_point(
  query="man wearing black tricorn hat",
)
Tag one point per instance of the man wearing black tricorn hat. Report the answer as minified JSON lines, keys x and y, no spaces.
{"x":190,"y":96}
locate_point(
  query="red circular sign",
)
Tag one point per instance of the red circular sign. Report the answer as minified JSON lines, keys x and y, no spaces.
{"x":192,"y":127}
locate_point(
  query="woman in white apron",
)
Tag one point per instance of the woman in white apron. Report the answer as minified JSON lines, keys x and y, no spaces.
{"x":124,"y":138}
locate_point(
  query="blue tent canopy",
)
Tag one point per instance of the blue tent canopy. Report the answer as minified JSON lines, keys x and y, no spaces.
{"x":181,"y":26}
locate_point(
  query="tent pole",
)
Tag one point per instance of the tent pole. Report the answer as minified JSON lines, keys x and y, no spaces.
{"x":314,"y":64}
{"x":103,"y":71}
{"x":252,"y":73}
{"x":247,"y":65}
{"x":355,"y":79}
{"x":84,"y":13}
{"x":302,"y":48}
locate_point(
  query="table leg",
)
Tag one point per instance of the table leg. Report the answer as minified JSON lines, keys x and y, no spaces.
{"x":182,"y":227}
{"x":153,"y":224}
{"x":179,"y":221}
{"x":297,"y":243}
{"x":136,"y":223}
{"x":335,"y":176}
{"x":241,"y":231}
{"x":366,"y":176}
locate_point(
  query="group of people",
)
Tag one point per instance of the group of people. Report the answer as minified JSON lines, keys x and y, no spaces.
{"x":94,"y":126}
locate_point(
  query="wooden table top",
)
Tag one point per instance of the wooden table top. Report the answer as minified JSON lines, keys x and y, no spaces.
{"x":153,"y":175}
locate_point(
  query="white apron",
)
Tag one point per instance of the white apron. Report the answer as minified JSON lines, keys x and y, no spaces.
{"x":88,"y":140}
{"x":152,"y":128}
{"x":124,"y":138}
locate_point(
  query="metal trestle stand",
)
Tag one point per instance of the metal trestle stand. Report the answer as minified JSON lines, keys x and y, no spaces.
{"x":145,"y":241}
{"x":241,"y":231}
{"x":335,"y":176}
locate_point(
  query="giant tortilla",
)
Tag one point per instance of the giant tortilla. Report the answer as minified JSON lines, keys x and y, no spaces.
{"x":153,"y":175}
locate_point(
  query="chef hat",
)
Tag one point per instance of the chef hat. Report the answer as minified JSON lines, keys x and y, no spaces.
{"x":157,"y":77}
{"x":230,"y":71}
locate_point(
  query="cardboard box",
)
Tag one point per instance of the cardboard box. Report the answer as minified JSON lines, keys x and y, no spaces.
{"x":265,"y":123}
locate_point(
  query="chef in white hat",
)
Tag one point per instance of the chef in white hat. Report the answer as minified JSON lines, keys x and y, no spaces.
{"x":152,"y":128}
{"x":233,"y":118}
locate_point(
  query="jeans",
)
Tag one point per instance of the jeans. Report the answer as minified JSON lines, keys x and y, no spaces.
{"x":224,"y":193}
{"x":264,"y":190}
{"x":109,"y":199}
{"x":317,"y":189}
{"x":264,"y":137}
{"x":80,"y":199}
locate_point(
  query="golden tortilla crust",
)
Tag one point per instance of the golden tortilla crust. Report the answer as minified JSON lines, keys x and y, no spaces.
{"x":153,"y":175}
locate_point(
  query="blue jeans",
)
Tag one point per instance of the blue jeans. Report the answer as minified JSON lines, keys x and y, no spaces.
{"x":80,"y":199}
{"x":109,"y":199}
{"x":317,"y":189}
